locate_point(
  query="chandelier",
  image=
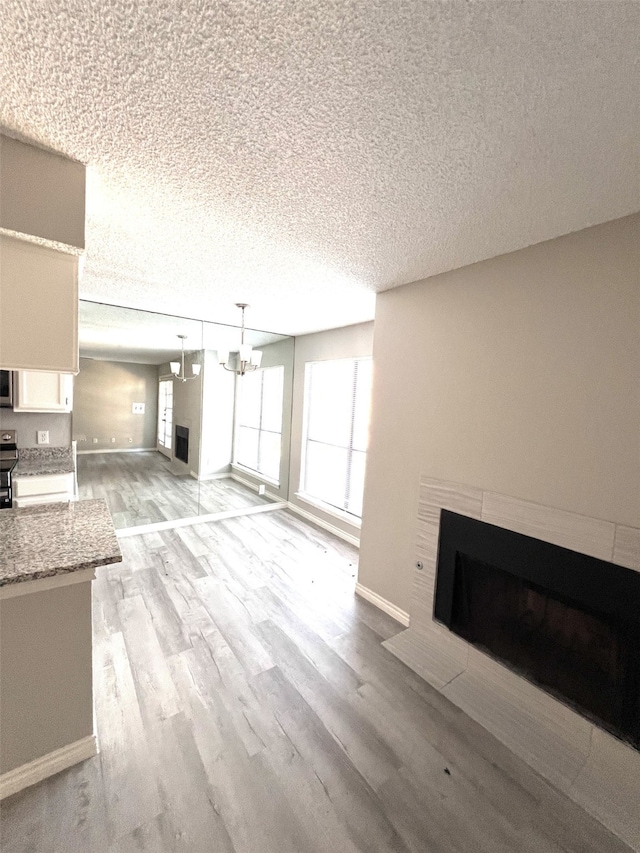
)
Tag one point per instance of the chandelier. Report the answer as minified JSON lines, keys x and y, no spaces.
{"x":248,"y":358}
{"x":177,"y":367}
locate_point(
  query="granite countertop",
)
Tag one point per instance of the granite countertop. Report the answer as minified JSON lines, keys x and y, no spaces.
{"x":38,"y":461}
{"x":54,"y":539}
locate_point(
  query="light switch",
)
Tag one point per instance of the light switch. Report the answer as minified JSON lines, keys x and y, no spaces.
{"x":43,"y":436}
{"x":137,"y":408}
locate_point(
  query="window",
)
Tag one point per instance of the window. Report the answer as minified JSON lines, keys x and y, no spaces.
{"x":259,"y":421}
{"x":336,"y":429}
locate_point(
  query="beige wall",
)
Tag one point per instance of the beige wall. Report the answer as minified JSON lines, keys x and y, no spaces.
{"x":348,"y":342}
{"x":103,"y":394}
{"x":519,"y":375}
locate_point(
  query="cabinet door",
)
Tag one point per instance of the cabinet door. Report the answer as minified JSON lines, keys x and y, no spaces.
{"x":37,"y":391}
{"x":39,"y":317}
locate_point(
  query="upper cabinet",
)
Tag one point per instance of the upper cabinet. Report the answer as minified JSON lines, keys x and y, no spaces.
{"x":39,"y":307}
{"x":41,"y":238}
{"x":36,"y":391}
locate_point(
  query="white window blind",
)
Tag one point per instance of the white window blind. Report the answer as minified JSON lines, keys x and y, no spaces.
{"x":336,"y":428}
{"x":259,"y":421}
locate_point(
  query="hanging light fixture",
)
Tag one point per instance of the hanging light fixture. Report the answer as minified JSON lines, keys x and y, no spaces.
{"x":248,"y":358}
{"x":177,"y":367}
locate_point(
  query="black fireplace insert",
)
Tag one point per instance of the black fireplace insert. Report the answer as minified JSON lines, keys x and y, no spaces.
{"x":182,"y":444}
{"x":567,"y":622}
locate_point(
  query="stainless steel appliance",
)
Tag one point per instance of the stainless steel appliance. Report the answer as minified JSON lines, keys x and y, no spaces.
{"x":6,"y":389}
{"x":8,"y":461}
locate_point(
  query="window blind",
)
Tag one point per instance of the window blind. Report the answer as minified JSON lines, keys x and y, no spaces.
{"x":336,"y":428}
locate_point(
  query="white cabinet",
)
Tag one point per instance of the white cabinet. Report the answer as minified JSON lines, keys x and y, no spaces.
{"x":42,"y":488}
{"x":37,"y":391}
{"x":39,"y":317}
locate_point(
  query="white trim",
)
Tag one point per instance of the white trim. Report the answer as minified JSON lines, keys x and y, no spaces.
{"x":382,"y":604}
{"x":222,"y":476}
{"x":198,"y":519}
{"x":253,"y":473}
{"x":343,"y":515}
{"x":24,"y":587}
{"x":255,"y":487}
{"x":309,"y":516}
{"x":48,"y":765}
{"x":119,"y":450}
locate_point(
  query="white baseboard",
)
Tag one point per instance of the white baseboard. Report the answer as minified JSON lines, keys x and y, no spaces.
{"x":48,"y":765}
{"x":309,"y":516}
{"x":254,"y":487}
{"x":222,"y":476}
{"x":117,"y":450}
{"x":382,"y":604}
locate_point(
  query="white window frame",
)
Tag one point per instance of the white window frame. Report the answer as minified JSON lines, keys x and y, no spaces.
{"x":320,"y":503}
{"x":242,"y":465}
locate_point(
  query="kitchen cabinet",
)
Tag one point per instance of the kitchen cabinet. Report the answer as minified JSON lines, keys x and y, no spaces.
{"x":39,"y":317}
{"x":42,"y":488}
{"x":39,"y":391}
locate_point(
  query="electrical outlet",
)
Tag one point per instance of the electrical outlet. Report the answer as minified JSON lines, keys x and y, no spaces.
{"x":130,"y":440}
{"x":262,"y":489}
{"x":43,"y":436}
{"x":95,"y":440}
{"x":113,"y":441}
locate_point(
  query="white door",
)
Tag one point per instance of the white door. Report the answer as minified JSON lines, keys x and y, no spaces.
{"x":165,"y":415}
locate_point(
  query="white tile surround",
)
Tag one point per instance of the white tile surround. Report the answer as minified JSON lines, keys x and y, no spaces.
{"x":589,"y":765}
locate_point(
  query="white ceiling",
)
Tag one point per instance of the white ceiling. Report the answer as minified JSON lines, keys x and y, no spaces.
{"x":301,"y":155}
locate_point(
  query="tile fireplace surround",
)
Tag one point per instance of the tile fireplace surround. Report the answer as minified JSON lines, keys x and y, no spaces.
{"x":592,"y":767}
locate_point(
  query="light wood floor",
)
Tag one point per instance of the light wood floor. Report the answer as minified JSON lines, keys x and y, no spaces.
{"x":244,"y":703}
{"x":140,"y":488}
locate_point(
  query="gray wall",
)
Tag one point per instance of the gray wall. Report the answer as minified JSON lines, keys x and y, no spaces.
{"x":348,"y":342}
{"x":28,"y":423}
{"x":103,"y":394}
{"x":519,"y":375}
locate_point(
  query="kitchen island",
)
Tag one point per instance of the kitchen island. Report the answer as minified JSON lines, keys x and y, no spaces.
{"x":48,"y":558}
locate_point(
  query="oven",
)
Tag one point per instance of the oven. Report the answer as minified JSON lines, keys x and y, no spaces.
{"x":8,"y":461}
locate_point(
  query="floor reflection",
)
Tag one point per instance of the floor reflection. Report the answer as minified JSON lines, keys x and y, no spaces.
{"x":140,"y":488}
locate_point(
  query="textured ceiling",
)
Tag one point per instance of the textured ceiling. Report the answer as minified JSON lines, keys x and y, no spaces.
{"x":123,"y":334}
{"x":300,"y":156}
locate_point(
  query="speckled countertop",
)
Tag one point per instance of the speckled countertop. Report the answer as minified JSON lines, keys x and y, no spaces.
{"x":37,"y":461}
{"x":55,"y":539}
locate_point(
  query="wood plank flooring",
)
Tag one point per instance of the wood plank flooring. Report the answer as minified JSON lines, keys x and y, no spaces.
{"x":244,"y":704}
{"x":140,"y":488}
